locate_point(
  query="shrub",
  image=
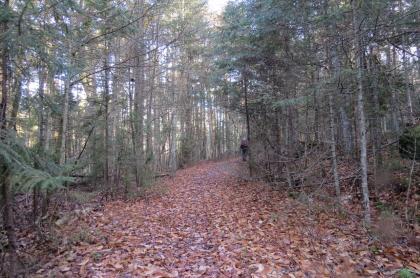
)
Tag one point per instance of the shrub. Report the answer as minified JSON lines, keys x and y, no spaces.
{"x":410,"y":143}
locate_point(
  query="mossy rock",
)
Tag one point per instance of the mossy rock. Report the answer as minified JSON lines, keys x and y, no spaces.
{"x":410,"y":143}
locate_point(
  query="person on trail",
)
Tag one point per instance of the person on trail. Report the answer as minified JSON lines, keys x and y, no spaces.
{"x":244,"y":148}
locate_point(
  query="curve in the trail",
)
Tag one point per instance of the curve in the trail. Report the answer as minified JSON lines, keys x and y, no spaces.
{"x":208,"y":222}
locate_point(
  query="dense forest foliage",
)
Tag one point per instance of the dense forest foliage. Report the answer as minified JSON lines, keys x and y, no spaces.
{"x":323,"y":81}
{"x":112,"y":95}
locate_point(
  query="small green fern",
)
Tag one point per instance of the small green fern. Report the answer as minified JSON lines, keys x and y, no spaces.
{"x":26,"y":170}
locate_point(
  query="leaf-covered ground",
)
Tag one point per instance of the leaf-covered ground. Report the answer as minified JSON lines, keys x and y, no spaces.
{"x":208,"y":222}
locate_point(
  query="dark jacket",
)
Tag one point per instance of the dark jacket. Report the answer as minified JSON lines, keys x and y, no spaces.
{"x":244,"y":144}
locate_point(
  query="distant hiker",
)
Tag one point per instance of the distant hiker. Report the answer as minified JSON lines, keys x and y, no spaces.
{"x":244,"y":148}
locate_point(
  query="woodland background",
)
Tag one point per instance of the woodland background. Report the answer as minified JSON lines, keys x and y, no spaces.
{"x":101,"y":98}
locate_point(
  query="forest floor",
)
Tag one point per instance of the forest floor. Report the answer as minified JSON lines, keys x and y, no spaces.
{"x":208,"y":221}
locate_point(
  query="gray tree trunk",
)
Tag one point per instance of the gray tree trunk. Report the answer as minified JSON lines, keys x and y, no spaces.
{"x":139,"y":93}
{"x":65,"y":116}
{"x":361,"y":113}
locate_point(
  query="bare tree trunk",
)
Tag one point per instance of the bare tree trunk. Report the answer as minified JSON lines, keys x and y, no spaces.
{"x":157,"y":142}
{"x":16,"y":103}
{"x":173,"y":132}
{"x":173,"y":151}
{"x":248,"y":126}
{"x":410,"y":181}
{"x":361,"y":112}
{"x":132,"y":117}
{"x":411,"y":118}
{"x":204,"y":127}
{"x":65,"y":116}
{"x":65,"y":107}
{"x":334,"y":147}
{"x":334,"y":68}
{"x":210,"y":132}
{"x":41,"y":138}
{"x":4,"y":75}
{"x":106,"y":116}
{"x":316,"y":106}
{"x":114,"y":119}
{"x":139,"y":93}
{"x":149,"y":135}
{"x":376,"y":117}
{"x":346,"y":131}
{"x":394,"y":99}
{"x":6,"y":193}
{"x":42,"y":118}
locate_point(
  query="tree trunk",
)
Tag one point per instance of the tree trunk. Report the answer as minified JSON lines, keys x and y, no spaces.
{"x":16,"y":103}
{"x":361,"y":113}
{"x":6,"y":193}
{"x":334,"y":146}
{"x":106,"y":116}
{"x":149,"y":129}
{"x":115,"y":119}
{"x":41,"y":139}
{"x":42,"y":118}
{"x":4,"y":75}
{"x":139,"y":93}
{"x":248,"y":125}
{"x":376,"y":117}
{"x":411,"y":118}
{"x":65,"y":116}
{"x":394,"y":99}
{"x":173,"y":131}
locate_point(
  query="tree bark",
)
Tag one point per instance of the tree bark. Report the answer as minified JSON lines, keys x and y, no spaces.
{"x":139,"y":93}
{"x":173,"y":131}
{"x":7,"y":195}
{"x":394,"y":99}
{"x":115,"y":119}
{"x":65,"y":116}
{"x":360,"y":111}
{"x":106,"y":116}
{"x":411,"y":118}
{"x":16,"y":103}
{"x":42,"y":118}
{"x":334,"y":147}
{"x":248,"y":125}
{"x":149,"y":129}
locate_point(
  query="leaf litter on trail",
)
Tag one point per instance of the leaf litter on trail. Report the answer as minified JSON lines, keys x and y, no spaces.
{"x":211,"y":224}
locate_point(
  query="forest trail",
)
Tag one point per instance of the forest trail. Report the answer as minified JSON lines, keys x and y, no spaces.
{"x":208,"y":222}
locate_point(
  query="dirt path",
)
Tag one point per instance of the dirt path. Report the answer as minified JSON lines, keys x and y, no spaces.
{"x":209,"y":223}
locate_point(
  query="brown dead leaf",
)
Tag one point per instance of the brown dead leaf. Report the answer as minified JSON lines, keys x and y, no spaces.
{"x":209,"y":223}
{"x":84,"y":262}
{"x":414,"y":265}
{"x":64,"y":268}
